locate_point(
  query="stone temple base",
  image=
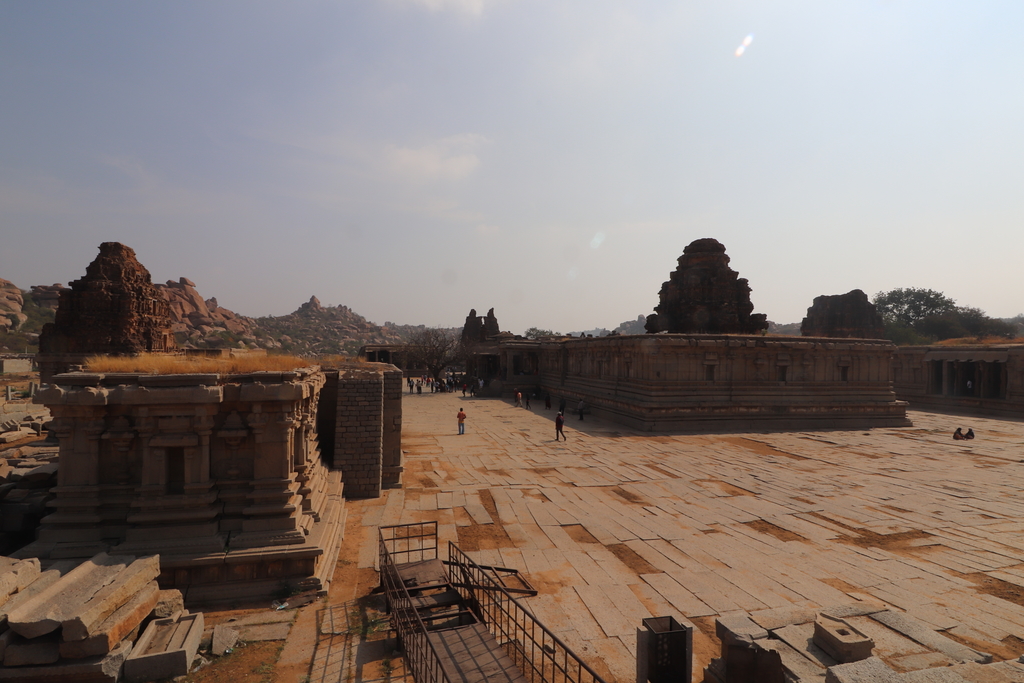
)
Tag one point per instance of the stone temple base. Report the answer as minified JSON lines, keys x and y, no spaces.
{"x":232,"y":575}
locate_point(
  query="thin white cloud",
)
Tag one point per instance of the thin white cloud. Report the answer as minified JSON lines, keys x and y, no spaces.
{"x":447,"y":159}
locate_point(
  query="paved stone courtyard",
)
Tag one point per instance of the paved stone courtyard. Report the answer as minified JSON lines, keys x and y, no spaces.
{"x":613,"y":526}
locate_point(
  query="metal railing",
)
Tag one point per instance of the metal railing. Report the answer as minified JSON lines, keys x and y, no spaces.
{"x":539,"y":653}
{"x":410,"y":540}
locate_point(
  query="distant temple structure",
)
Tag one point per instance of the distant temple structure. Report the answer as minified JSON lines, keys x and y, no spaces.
{"x":710,"y":367}
{"x":844,"y":316}
{"x":704,"y":295}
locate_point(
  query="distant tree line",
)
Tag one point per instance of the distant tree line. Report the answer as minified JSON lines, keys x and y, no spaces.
{"x":920,"y":316}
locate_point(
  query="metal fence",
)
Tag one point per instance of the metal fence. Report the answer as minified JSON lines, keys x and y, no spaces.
{"x":397,"y":545}
{"x":539,"y":653}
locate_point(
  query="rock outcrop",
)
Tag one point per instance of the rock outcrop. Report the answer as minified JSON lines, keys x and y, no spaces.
{"x":11,"y":303}
{"x":200,"y":319}
{"x":47,"y":296}
{"x":705,"y":295}
{"x":114,"y":309}
{"x":849,"y":315}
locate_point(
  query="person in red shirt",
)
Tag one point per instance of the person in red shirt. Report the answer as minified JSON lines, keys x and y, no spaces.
{"x":462,"y":421}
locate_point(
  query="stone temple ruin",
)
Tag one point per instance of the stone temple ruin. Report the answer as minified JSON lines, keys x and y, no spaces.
{"x":115,"y":309}
{"x":843,"y":315}
{"x":710,"y":368}
{"x":705,"y":295}
{"x":219,"y":473}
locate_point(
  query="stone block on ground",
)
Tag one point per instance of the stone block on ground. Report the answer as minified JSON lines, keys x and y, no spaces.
{"x":168,"y":603}
{"x":165,"y":650}
{"x":224,"y":638}
{"x":108,"y":599}
{"x":843,"y":642}
{"x":41,"y":583}
{"x":28,"y":652}
{"x":730,"y":627}
{"x":17,"y":576}
{"x":106,"y":669}
{"x":870,"y":670}
{"x":919,"y":632}
{"x":116,"y":627}
{"x":46,"y":611}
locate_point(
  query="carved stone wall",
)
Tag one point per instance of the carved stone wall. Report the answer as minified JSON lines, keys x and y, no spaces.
{"x":705,"y":295}
{"x":726,"y":383}
{"x":219,"y":474}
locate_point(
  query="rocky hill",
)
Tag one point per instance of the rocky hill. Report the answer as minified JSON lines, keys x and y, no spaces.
{"x":317,"y":329}
{"x":203,"y":323}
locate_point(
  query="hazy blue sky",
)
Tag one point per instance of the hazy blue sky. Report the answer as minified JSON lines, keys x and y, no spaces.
{"x":413,"y":159}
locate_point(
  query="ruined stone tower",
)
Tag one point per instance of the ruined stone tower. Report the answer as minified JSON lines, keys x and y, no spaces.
{"x":705,"y":295}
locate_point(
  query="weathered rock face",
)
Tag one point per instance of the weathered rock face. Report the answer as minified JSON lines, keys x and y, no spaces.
{"x":47,"y":296}
{"x":705,"y":295}
{"x":197,"y":318}
{"x":114,"y":309}
{"x":11,"y":303}
{"x":848,"y":315}
{"x":479,"y":328}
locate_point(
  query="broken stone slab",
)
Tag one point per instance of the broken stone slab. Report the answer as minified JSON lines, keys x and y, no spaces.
{"x":46,"y":611}
{"x":42,"y":472}
{"x":935,"y":675}
{"x":104,"y":602}
{"x":870,"y":670}
{"x":17,"y":577}
{"x":917,"y":631}
{"x":224,"y":638}
{"x":105,"y":669}
{"x":165,"y":650}
{"x":853,"y":609}
{"x":772,"y":619}
{"x":169,"y":602}
{"x":116,"y":627}
{"x":841,"y":640}
{"x":41,"y":583}
{"x":800,"y":637}
{"x":32,"y":652}
{"x":730,"y":627}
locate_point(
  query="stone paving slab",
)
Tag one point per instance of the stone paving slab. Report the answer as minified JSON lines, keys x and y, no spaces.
{"x":709,"y":524}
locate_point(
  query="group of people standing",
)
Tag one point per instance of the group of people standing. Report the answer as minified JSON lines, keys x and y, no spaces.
{"x":442,"y":386}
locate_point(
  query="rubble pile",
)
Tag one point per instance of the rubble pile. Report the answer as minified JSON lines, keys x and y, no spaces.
{"x":26,"y":476}
{"x":77,"y":621}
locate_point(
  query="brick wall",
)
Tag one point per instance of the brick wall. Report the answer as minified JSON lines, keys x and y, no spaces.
{"x":359,"y":431}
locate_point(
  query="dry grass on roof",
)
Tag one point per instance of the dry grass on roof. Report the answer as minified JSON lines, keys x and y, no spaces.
{"x":975,"y":341}
{"x":167,"y":364}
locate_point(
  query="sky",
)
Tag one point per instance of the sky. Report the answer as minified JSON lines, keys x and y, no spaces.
{"x":414,"y":159}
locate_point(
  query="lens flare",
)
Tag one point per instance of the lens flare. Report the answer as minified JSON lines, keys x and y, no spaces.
{"x":597,"y":241}
{"x":744,"y":45}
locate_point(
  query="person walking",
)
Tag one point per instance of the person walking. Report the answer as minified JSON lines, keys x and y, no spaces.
{"x":559,"y":423}
{"x":461,"y":417}
{"x":561,"y":406}
{"x":581,"y":407}
{"x":527,"y":400}
{"x":519,"y":399}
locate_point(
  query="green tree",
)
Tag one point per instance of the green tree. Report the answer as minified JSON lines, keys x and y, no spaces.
{"x":910,"y":305}
{"x":537,"y":333}
{"x":435,"y":349}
